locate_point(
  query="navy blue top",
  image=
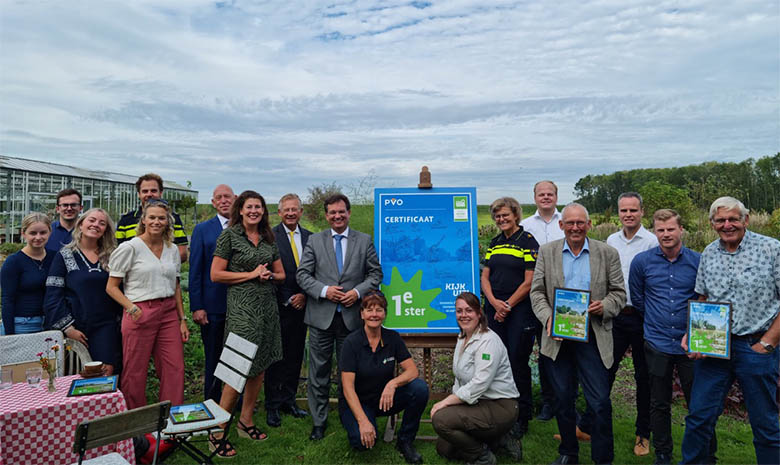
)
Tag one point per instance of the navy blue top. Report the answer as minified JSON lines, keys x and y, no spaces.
{"x":661,"y":289}
{"x":77,"y":296}
{"x":23,"y":283}
{"x":59,"y":238}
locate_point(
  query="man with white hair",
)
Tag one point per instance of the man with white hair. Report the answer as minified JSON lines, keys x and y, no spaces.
{"x":577,"y":262}
{"x":743,"y":268}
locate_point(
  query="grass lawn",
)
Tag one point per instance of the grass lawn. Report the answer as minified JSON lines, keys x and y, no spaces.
{"x":289,"y":444}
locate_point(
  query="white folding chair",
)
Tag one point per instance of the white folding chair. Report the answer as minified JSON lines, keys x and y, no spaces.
{"x":233,"y":368}
{"x":18,"y":348}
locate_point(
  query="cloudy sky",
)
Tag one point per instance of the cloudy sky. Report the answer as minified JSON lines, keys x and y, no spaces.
{"x":281,"y":96}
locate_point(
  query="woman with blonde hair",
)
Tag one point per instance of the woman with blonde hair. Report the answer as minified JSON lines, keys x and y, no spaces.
{"x":154,"y":322}
{"x":23,"y":278}
{"x":76,"y":299}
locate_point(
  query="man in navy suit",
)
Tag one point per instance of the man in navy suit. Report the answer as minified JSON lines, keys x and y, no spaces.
{"x":208,"y":300}
{"x":281,"y":378}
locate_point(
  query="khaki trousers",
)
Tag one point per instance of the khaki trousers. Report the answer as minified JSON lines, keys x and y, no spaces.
{"x":464,"y":429}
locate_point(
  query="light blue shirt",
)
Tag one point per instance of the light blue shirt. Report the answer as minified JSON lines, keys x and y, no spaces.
{"x":576,"y":268}
{"x":748,"y":278}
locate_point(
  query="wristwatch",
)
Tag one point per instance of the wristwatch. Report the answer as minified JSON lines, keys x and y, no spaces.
{"x":767,"y":346}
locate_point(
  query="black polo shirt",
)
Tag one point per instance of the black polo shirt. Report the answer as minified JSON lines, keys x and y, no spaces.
{"x":372,"y":370}
{"x":508,"y":259}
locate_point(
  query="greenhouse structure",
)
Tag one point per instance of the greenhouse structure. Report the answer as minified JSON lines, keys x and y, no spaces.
{"x":31,"y":185}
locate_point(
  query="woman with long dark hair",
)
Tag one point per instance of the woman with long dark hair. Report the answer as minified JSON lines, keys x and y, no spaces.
{"x":247,"y":260}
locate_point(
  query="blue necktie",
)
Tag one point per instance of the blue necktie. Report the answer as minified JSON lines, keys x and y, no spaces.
{"x":339,"y":260}
{"x":339,"y":252}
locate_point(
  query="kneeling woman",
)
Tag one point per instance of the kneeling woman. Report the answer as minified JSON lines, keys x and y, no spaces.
{"x":482,"y":408}
{"x":370,"y":386}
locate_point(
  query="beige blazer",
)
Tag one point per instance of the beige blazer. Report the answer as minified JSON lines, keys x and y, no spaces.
{"x":606,"y":284}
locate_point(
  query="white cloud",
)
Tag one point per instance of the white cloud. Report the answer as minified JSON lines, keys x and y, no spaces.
{"x":281,"y":96}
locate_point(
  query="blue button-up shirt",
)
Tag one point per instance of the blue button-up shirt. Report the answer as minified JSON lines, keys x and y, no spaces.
{"x":59,"y":238}
{"x":661,"y":289}
{"x":748,"y":278}
{"x":576,"y":268}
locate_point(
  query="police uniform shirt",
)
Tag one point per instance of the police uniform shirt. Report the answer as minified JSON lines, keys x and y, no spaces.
{"x":372,"y":370}
{"x":125,"y":229}
{"x":508,"y":259}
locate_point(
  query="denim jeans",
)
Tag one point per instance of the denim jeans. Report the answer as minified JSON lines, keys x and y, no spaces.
{"x":757,"y":375}
{"x":582,"y":359}
{"x":411,"y":399}
{"x":25,"y":325}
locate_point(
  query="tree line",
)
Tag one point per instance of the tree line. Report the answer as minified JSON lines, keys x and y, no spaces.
{"x":755,"y":182}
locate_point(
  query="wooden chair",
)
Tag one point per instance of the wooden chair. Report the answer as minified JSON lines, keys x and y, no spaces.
{"x":233,"y":368}
{"x":118,"y":427}
{"x":76,"y":357}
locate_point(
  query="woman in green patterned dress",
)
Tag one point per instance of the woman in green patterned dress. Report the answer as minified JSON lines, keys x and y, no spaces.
{"x":247,"y":260}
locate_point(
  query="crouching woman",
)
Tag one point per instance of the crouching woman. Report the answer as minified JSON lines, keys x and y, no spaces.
{"x":472,"y":422}
{"x":370,"y":386}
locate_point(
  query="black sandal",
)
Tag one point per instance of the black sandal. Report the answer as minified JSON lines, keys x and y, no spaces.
{"x":223,"y":449}
{"x":250,"y":432}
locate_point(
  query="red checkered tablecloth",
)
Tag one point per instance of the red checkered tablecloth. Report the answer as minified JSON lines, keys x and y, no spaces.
{"x":38,"y":427}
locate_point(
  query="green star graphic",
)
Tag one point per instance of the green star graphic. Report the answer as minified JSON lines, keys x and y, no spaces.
{"x":408,"y":305}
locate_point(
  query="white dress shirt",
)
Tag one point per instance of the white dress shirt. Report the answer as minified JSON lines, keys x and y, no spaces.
{"x":543,"y":231}
{"x":297,"y":243}
{"x":629,"y":248}
{"x":343,"y":255}
{"x":223,"y":221}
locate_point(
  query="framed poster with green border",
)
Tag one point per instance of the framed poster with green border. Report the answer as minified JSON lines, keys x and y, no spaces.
{"x":709,"y":328}
{"x":570,"y":318}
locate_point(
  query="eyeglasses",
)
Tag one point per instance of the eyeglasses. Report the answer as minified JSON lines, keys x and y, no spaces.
{"x":732,"y":220}
{"x":69,"y":205}
{"x":579,"y":224}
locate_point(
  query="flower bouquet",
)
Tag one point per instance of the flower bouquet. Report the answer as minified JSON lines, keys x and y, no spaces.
{"x":48,"y":363}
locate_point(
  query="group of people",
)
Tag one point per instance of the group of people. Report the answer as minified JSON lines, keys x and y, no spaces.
{"x":117,"y":291}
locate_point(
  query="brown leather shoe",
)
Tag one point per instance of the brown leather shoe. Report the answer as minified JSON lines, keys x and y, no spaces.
{"x":641,"y":446}
{"x":581,"y":436}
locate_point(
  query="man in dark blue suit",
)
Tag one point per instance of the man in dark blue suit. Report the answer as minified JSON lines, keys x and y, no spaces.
{"x":208,"y":300}
{"x":281,"y":378}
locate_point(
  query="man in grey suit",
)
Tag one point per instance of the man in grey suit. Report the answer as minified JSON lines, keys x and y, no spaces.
{"x":577,"y":262}
{"x":338,"y":266}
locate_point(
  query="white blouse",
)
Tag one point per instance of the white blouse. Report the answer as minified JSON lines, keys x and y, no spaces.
{"x":482,"y":369}
{"x":144,"y":276}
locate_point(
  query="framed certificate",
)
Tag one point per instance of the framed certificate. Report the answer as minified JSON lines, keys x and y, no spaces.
{"x":86,"y":387}
{"x":570,"y":316}
{"x":709,"y":328}
{"x":190,"y":412}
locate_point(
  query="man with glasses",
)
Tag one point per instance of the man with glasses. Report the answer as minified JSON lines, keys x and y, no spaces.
{"x":743,"y":268}
{"x":150,"y":186}
{"x":68,"y":209}
{"x":577,"y":262}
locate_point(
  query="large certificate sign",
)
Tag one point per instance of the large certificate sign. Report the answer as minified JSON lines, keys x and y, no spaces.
{"x":427,"y":244}
{"x":709,"y":328}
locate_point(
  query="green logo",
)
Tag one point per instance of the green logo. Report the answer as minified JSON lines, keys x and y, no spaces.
{"x":485,"y":356}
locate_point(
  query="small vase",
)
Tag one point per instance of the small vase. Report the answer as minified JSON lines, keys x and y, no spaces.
{"x":52,"y":387}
